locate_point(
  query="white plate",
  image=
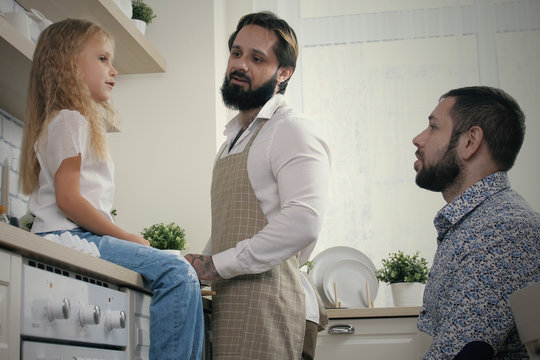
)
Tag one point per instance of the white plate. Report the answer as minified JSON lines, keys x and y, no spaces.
{"x":351,"y":277}
{"x":326,"y":259}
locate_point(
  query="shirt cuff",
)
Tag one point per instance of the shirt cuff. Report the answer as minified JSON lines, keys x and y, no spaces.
{"x":226,"y":264}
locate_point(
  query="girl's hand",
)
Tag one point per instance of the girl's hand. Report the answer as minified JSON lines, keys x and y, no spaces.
{"x":137,"y":239}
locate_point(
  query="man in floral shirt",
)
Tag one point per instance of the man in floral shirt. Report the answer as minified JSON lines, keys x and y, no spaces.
{"x":488,"y":243}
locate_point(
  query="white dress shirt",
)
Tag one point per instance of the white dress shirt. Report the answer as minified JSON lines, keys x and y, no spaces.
{"x":289,"y":171}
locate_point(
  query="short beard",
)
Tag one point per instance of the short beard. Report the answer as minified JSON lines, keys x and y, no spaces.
{"x":442,"y":174}
{"x":237,"y":99}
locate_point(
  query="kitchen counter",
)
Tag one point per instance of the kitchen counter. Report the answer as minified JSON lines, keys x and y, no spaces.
{"x":37,"y":248}
{"x":19,"y":247}
{"x":373,"y":312}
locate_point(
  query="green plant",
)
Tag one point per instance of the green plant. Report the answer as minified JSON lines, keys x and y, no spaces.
{"x":399,"y":267}
{"x":142,"y":11}
{"x":165,"y":237}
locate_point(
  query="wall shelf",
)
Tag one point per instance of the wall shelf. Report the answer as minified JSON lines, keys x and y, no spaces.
{"x":134,"y":53}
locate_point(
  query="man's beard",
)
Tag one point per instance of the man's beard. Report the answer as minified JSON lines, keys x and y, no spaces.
{"x":442,"y":174}
{"x":236,"y":98}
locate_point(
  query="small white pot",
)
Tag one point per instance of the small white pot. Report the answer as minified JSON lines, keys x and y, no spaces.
{"x":141,"y":25}
{"x":407,"y":294}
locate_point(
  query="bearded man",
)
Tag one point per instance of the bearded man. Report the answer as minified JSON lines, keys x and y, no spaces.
{"x":269,"y":189}
{"x":488,"y":243}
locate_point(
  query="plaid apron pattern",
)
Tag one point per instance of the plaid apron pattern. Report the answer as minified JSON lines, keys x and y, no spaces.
{"x":254,"y":316}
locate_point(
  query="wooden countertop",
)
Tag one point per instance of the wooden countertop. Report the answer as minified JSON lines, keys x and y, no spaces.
{"x":373,"y":312}
{"x":35,"y":247}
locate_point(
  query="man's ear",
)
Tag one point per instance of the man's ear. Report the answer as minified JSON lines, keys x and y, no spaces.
{"x":284,"y":73}
{"x":470,"y":142}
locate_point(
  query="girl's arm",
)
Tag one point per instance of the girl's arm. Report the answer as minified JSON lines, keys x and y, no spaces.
{"x":78,"y":209}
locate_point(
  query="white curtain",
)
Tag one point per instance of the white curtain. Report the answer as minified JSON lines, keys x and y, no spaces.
{"x":369,"y":74}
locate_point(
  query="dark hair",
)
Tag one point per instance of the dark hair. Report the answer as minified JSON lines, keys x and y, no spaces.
{"x":286,"y":49}
{"x":496,"y":113}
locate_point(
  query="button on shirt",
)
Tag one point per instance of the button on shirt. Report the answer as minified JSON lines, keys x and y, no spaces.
{"x":488,"y":248}
{"x":289,"y":171}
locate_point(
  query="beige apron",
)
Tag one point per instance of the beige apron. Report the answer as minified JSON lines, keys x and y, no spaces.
{"x":255,"y":316}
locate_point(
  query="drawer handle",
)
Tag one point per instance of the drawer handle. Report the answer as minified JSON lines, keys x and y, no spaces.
{"x":341,"y":329}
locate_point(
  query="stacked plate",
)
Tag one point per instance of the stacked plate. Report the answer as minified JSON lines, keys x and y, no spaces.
{"x":347,"y":272}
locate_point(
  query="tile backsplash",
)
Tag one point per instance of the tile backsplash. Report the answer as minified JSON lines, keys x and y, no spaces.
{"x":11,"y":130}
{"x":10,"y":143}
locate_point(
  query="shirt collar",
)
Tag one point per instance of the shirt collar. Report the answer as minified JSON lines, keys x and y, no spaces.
{"x":233,"y":126}
{"x":451,"y":213}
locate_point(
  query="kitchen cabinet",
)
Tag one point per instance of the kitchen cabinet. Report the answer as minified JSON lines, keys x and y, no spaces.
{"x":375,"y":334}
{"x":134,"y":53}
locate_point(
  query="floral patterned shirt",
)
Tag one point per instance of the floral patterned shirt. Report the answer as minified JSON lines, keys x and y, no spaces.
{"x":488,"y":248}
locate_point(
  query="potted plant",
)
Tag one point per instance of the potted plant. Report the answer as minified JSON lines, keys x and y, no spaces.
{"x":406,"y":275}
{"x":142,"y":14}
{"x":166,"y":237}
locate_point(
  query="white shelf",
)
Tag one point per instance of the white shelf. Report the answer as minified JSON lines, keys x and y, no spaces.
{"x":134,"y":54}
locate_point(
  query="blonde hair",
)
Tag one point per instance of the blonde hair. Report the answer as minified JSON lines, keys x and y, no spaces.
{"x":57,"y":83}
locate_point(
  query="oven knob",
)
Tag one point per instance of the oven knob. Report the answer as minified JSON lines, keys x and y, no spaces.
{"x":56,"y":310}
{"x":115,"y":320}
{"x":89,"y":315}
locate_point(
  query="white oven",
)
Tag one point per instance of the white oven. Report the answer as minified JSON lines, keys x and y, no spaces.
{"x":51,"y":313}
{"x":68,"y":315}
{"x":139,"y":324}
{"x":46,"y":351}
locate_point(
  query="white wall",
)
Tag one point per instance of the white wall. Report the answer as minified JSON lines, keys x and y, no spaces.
{"x":165,"y":151}
{"x":173,"y":121}
{"x":226,"y":16}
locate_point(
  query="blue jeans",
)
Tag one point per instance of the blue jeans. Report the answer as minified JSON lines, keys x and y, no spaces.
{"x":176,"y":316}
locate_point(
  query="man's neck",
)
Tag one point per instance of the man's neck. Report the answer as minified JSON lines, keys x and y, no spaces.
{"x":247,"y":116}
{"x":465,"y":181}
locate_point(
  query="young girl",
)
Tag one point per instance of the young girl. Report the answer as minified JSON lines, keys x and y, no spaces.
{"x":66,"y":169}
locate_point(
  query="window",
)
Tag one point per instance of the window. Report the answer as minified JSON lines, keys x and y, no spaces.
{"x":369,"y":75}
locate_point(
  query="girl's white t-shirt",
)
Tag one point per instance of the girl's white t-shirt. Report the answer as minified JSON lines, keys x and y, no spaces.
{"x":67,"y":136}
